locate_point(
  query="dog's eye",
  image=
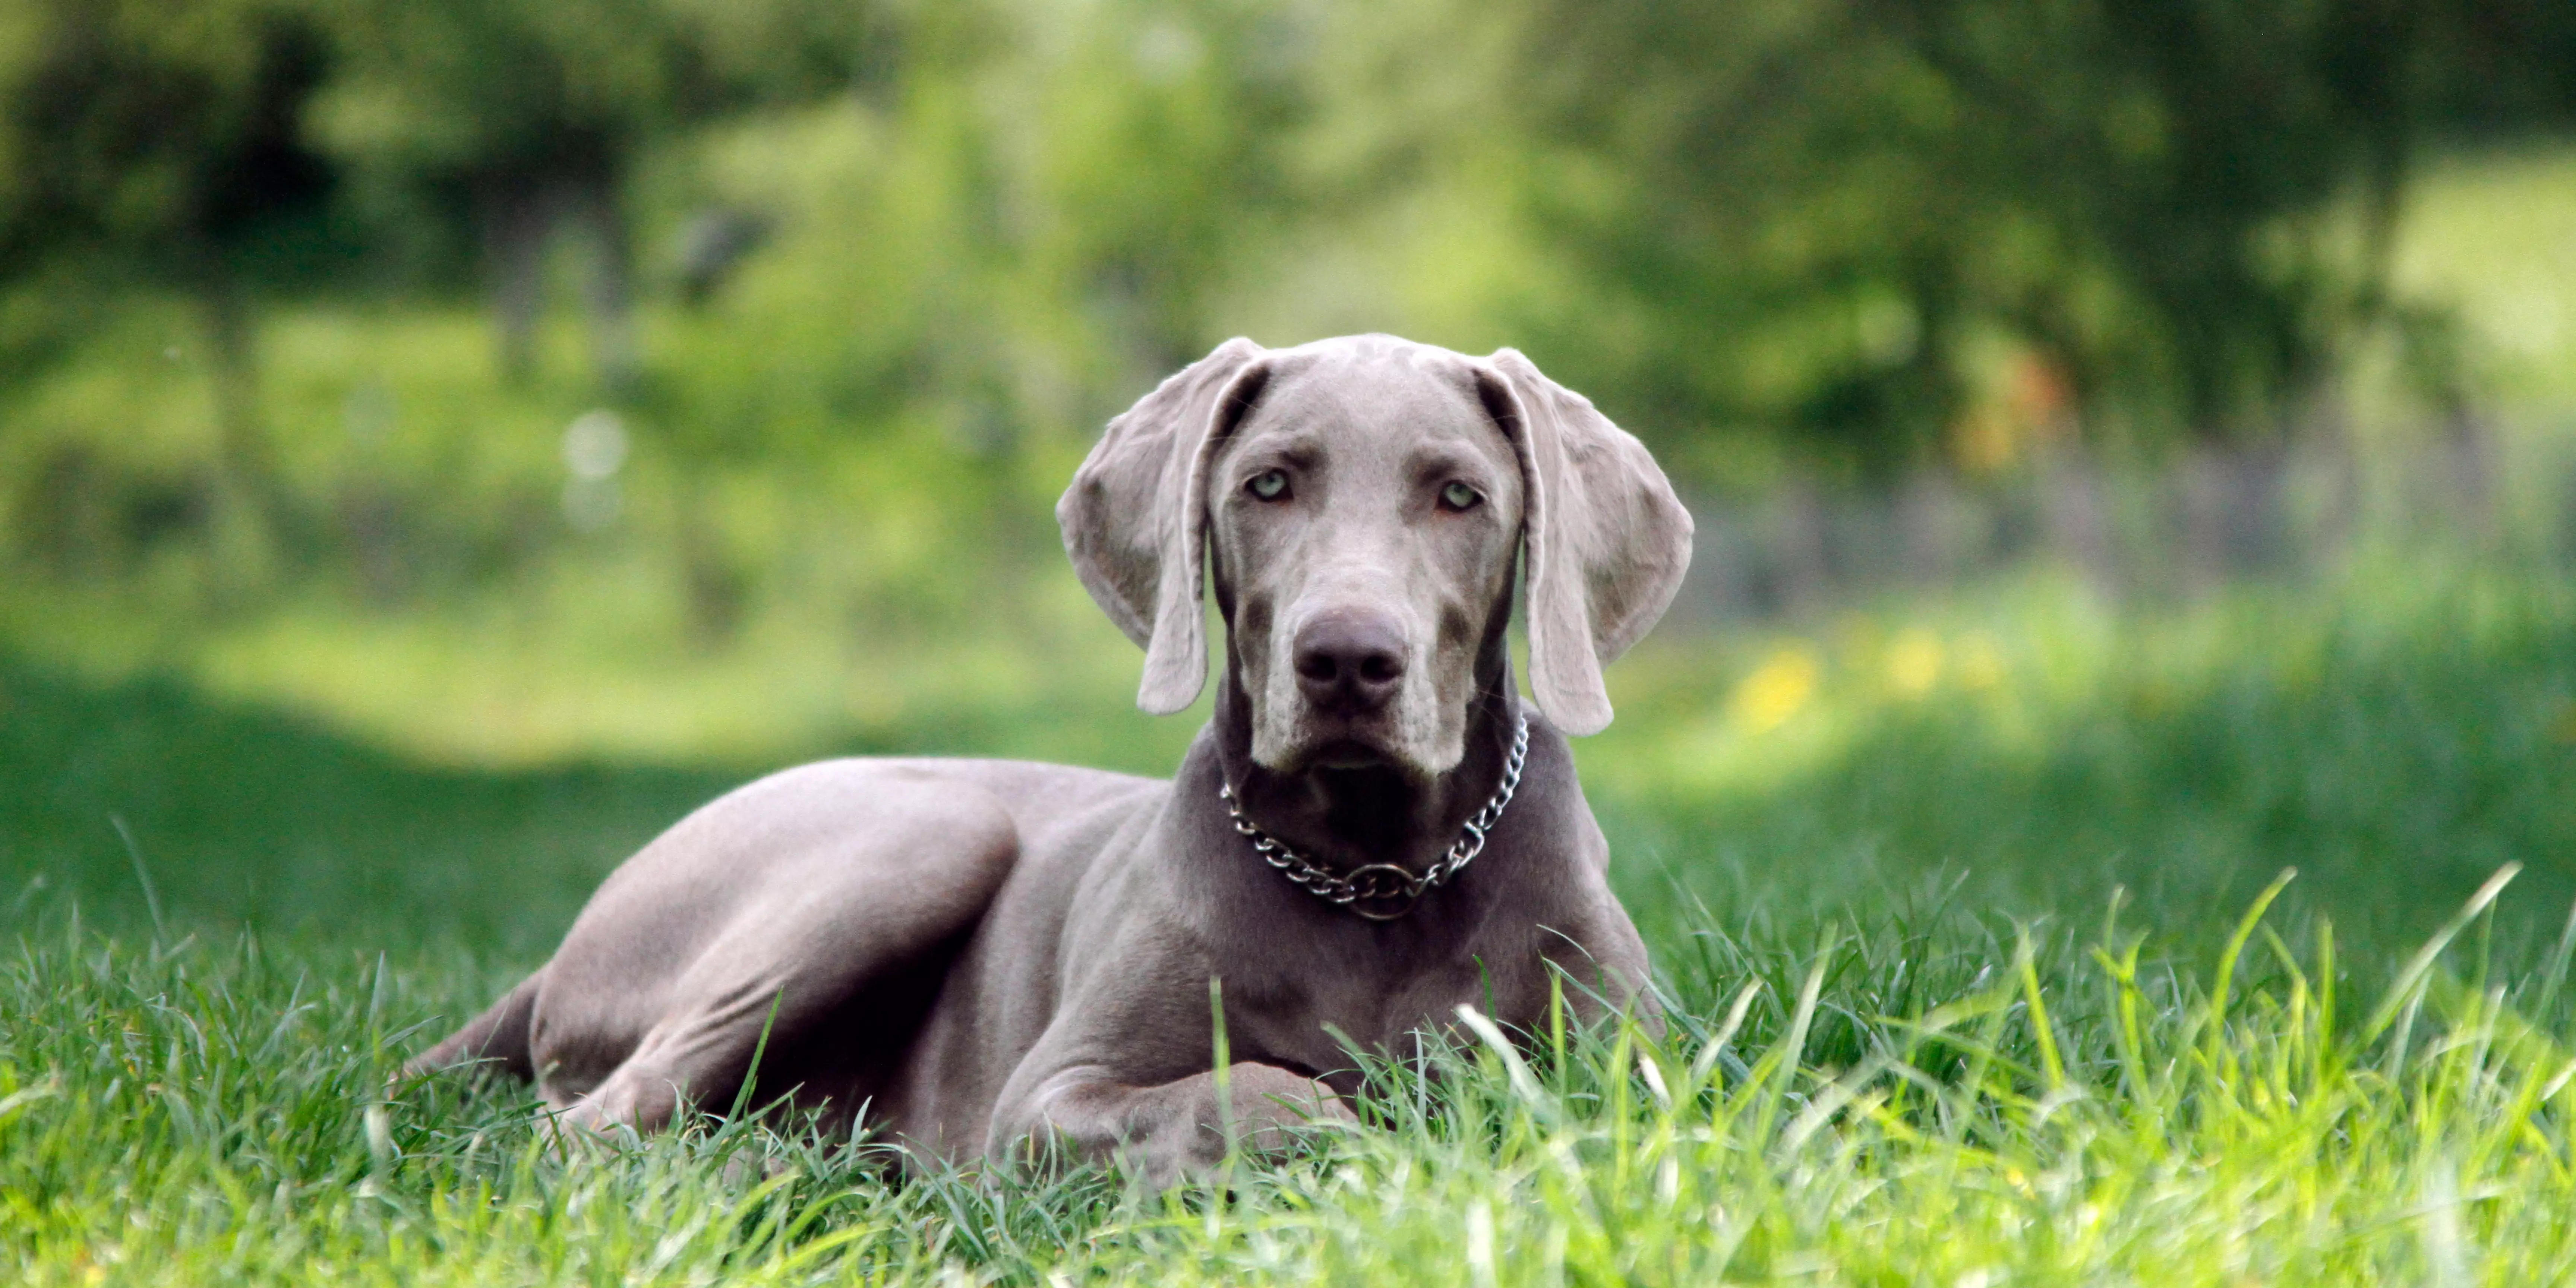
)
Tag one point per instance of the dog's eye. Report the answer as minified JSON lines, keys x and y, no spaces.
{"x":1269,"y":485}
{"x":1459,"y":496}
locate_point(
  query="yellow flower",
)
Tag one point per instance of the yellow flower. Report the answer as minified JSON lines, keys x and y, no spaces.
{"x":1914,"y":660}
{"x":1775,"y":691}
{"x":1981,"y":664}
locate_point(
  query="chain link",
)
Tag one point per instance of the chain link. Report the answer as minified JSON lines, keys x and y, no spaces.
{"x":1383,"y":882}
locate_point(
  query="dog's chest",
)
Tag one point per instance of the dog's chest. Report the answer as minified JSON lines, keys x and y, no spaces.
{"x":1307,"y":1016}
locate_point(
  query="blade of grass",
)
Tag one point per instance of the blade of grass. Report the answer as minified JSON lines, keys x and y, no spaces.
{"x":2410,"y":979}
{"x":142,"y":875}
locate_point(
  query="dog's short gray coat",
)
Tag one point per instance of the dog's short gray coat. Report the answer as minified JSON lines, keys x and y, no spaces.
{"x":981,"y":954}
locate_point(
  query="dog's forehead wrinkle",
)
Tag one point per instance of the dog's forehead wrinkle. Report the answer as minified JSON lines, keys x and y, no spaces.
{"x":1443,"y":459}
{"x":1297,"y":446}
{"x":1375,"y":394}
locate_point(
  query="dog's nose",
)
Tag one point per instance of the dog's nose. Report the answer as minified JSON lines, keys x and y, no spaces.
{"x":1349,"y":662}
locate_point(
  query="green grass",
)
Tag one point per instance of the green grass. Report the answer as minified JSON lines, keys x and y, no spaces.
{"x":255,"y":847}
{"x":2397,"y":735}
{"x":1952,"y":900}
{"x":272,"y":814}
{"x":1903,"y":1102}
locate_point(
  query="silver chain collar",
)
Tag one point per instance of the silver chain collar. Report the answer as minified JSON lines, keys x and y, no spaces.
{"x":1363,"y":889}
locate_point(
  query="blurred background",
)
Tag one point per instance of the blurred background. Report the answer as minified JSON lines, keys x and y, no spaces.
{"x":442,"y":440}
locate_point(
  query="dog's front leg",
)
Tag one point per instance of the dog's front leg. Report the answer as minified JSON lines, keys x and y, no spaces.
{"x":1171,"y":1130}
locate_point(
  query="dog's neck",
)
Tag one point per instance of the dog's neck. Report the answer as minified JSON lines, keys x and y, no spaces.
{"x":1350,"y":818}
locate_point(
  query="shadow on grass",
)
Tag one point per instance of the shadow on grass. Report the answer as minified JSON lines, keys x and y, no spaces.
{"x":252,"y":819}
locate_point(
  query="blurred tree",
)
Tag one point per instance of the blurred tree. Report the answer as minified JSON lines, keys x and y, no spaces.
{"x":1157,"y":161}
{"x":1769,"y":210}
{"x":159,"y":139}
{"x":2188,"y":154}
{"x":1807,"y":209}
{"x":532,"y":115}
{"x":2502,"y":67}
{"x":1866,"y":232}
{"x":1095,"y":181}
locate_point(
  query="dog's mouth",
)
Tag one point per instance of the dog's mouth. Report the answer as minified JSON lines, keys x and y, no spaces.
{"x":1348,"y":753}
{"x":1312,"y":738}
{"x":1350,"y":739}
{"x":1343,"y":750}
{"x":1372,"y":746}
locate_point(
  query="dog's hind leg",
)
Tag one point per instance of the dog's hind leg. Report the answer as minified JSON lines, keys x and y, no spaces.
{"x":498,"y":1037}
{"x":787,"y":972}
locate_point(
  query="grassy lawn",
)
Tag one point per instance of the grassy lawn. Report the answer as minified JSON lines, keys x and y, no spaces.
{"x":1967,"y":907}
{"x":1920,"y":1038}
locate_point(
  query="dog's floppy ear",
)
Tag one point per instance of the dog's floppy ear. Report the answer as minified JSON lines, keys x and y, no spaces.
{"x":1604,"y":541}
{"x":1134,"y":521}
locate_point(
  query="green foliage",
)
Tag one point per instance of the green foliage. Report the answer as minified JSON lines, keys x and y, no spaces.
{"x":156,"y":133}
{"x":1834,"y":229}
{"x":1825,"y":218}
{"x":470,"y":88}
{"x":159,"y":141}
{"x":953,"y":240}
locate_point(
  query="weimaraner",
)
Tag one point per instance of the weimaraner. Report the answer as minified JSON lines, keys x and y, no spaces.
{"x":984,"y":957}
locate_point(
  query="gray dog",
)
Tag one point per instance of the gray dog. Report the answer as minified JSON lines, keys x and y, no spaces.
{"x":980,"y":955}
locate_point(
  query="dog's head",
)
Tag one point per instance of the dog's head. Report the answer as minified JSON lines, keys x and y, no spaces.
{"x":1361,"y":501}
